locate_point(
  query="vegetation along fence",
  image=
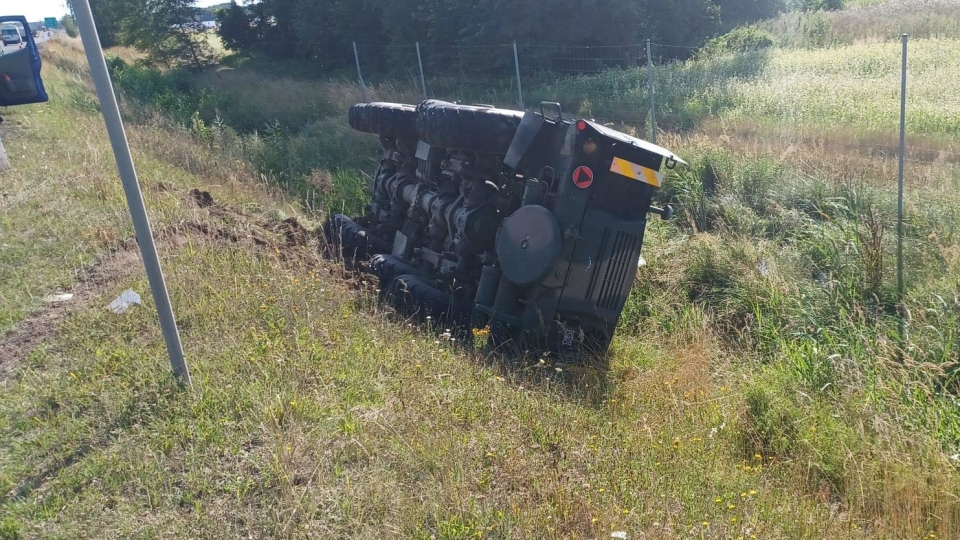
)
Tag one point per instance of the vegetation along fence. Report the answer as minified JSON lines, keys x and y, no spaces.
{"x":799,"y":102}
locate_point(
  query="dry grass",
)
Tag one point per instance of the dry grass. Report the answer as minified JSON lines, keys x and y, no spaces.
{"x":316,"y":413}
{"x":874,"y":22}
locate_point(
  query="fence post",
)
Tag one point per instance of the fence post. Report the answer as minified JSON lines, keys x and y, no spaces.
{"x":653,"y":116}
{"x":131,"y":187}
{"x":423,"y":81}
{"x":363,"y":86}
{"x":4,"y":162}
{"x":903,"y":125}
{"x":516,"y":64}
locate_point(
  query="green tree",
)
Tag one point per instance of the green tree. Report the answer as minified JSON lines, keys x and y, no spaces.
{"x":169,"y":32}
{"x":681,"y":25}
{"x":109,"y":16}
{"x":734,"y":13}
{"x":236,"y":29}
{"x":69,"y":26}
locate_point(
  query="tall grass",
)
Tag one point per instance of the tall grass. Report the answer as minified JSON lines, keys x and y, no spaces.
{"x":757,"y":385}
{"x":870,"y":22}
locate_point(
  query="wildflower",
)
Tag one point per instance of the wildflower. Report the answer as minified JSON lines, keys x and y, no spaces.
{"x":753,"y":492}
{"x":731,"y":506}
{"x":620,"y":535}
{"x":718,"y":500}
{"x":705,"y":523}
{"x":758,"y":457}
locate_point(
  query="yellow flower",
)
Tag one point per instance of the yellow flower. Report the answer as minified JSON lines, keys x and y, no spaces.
{"x":731,"y":506}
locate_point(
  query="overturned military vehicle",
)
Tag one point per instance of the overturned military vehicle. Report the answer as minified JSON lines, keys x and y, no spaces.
{"x":527,"y":223}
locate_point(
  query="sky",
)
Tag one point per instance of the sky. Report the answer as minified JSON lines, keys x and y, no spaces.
{"x":36,"y":10}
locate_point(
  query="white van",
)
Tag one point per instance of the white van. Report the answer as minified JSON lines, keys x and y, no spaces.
{"x":10,"y":34}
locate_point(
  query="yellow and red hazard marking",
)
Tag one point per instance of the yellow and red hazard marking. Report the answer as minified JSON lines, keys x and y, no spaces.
{"x":636,"y":172}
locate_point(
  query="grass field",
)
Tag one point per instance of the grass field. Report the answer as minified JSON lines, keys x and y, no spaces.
{"x":757,"y":386}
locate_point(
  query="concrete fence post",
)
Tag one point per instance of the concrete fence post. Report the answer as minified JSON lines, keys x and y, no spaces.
{"x":516,"y":64}
{"x":363,"y":86}
{"x":903,"y":130}
{"x":653,"y":114}
{"x":423,"y":81}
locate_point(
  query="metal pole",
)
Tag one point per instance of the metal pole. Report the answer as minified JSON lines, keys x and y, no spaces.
{"x":4,"y":162}
{"x":423,"y":82}
{"x":131,"y":187}
{"x":903,"y":132}
{"x":516,"y":64}
{"x":363,"y":86}
{"x":653,"y":116}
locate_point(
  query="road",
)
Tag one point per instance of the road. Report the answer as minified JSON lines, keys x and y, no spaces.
{"x":13,"y":48}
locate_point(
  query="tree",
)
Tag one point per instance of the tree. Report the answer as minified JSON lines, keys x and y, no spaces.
{"x":109,"y":16}
{"x":734,"y":13}
{"x":682,"y":24}
{"x":235,"y":28}
{"x":169,"y":31}
{"x":69,"y":26}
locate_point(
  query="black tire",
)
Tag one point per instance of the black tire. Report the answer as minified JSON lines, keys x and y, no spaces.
{"x":386,"y":267}
{"x":353,"y":241}
{"x":465,"y":127}
{"x":393,"y":120}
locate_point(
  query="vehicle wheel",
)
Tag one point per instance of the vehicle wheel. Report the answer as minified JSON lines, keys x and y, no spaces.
{"x":467,"y":127}
{"x":393,"y":120}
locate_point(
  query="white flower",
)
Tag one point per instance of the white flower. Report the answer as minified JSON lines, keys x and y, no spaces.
{"x":621,"y":535}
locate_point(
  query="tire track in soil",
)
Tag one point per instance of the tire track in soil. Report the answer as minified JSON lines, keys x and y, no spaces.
{"x":120,"y":262}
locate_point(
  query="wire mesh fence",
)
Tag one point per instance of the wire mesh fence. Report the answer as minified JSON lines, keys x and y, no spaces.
{"x":726,"y":94}
{"x":480,"y":74}
{"x":607,"y":83}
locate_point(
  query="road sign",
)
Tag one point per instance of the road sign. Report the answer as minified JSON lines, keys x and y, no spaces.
{"x":50,"y":22}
